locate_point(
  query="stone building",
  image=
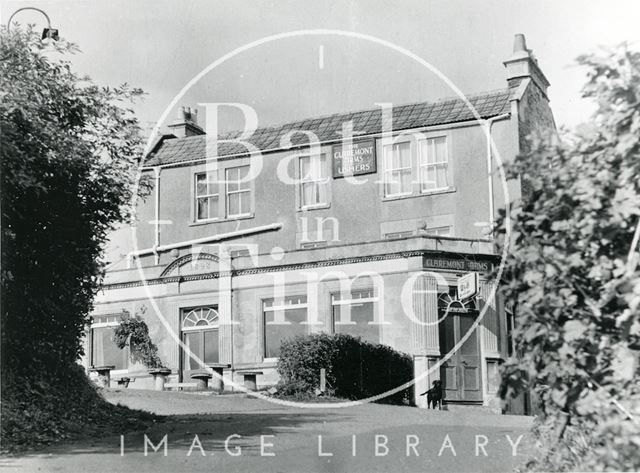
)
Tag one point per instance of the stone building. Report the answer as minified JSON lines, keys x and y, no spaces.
{"x":224,"y":257}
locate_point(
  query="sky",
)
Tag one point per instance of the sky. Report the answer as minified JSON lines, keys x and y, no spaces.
{"x":160,"y":45}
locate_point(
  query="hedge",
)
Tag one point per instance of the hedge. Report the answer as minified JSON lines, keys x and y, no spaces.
{"x":355,"y":369}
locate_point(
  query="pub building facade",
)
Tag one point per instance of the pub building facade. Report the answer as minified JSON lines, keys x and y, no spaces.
{"x":231,"y":266}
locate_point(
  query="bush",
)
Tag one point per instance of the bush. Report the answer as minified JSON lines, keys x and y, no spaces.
{"x":574,"y":278}
{"x":68,"y":167}
{"x":354,"y":369}
{"x":134,"y":333}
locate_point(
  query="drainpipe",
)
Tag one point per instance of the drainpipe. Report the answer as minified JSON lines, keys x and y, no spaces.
{"x":156,"y":244}
{"x":209,"y":239}
{"x":487,"y":123}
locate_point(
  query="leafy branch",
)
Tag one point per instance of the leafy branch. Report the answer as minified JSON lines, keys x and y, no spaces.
{"x":134,"y":333}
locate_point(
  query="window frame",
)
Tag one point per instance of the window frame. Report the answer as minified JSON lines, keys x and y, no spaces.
{"x":200,"y":330}
{"x":103,"y":325}
{"x":399,"y":235}
{"x":422,"y":163}
{"x":374,"y":299}
{"x":273,"y":308}
{"x":320,"y":180}
{"x":219,"y":188}
{"x":208,"y":196}
{"x":248,"y":190}
{"x":388,"y":168}
{"x":436,"y":230}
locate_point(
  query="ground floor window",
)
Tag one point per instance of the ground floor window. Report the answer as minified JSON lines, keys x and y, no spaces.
{"x":354,"y":314}
{"x":283,"y":320}
{"x":200,"y":336}
{"x":104,"y":351}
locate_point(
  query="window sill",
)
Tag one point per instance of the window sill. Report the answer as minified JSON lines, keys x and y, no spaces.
{"x":221,"y":220}
{"x":314,"y":207}
{"x":448,"y":190}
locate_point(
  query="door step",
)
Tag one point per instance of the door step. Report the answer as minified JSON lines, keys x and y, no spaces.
{"x":469,"y":407}
{"x":180,"y":385}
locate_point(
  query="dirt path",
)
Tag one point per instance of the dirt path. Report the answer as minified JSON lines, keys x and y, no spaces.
{"x":236,"y":433}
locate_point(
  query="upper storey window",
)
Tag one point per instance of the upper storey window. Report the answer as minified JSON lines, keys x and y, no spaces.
{"x":398,"y":169}
{"x":238,"y":192}
{"x":434,"y":164}
{"x":313,"y":181}
{"x":419,"y":167}
{"x":218,"y":199}
{"x":206,"y":203}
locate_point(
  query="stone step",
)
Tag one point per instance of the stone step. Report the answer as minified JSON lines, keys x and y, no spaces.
{"x":180,"y":385}
{"x":470,"y":407}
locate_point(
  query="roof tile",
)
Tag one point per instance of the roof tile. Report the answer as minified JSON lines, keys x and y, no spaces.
{"x":448,"y":110}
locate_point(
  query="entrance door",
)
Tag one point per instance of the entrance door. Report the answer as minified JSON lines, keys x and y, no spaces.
{"x":200,"y":335}
{"x":460,"y":374}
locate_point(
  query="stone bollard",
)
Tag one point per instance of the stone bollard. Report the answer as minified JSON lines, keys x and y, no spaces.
{"x":202,"y":379}
{"x":250,"y":379}
{"x":104,"y":375}
{"x":159,"y":377}
{"x":217,"y":383}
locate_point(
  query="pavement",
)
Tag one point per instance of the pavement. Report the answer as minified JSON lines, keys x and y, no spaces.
{"x":234,"y":433}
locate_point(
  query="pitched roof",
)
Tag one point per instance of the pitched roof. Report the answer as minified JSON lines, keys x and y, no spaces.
{"x":327,"y":128}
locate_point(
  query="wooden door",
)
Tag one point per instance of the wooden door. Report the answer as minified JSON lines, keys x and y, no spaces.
{"x":460,"y":374}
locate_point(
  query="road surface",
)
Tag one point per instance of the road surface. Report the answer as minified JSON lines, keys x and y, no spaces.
{"x":232,"y":433}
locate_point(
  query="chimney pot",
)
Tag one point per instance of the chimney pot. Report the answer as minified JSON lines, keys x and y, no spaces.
{"x":519,"y":43}
{"x":522,"y":64}
{"x":186,"y":123}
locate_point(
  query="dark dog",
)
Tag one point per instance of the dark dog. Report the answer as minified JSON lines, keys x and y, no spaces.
{"x":434,"y":395}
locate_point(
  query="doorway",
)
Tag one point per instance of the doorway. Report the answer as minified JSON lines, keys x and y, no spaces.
{"x":199,"y":333}
{"x":460,"y":374}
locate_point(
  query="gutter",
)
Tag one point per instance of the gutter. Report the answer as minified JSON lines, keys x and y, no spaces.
{"x":487,"y":123}
{"x":385,"y":134}
{"x":156,"y":244}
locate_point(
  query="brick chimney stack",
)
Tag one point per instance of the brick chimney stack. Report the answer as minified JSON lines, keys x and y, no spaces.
{"x":523,"y":64}
{"x":186,"y":123}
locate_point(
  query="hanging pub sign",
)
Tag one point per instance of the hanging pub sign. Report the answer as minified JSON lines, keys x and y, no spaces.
{"x":355,"y":159}
{"x":467,"y":286}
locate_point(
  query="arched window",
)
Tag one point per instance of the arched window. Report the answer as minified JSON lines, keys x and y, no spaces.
{"x":202,"y":317}
{"x":450,"y":302}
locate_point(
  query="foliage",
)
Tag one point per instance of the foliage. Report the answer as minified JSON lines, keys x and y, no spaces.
{"x":134,"y":333}
{"x":573,"y":274}
{"x":69,"y":159}
{"x":354,"y":369}
{"x":36,"y":412}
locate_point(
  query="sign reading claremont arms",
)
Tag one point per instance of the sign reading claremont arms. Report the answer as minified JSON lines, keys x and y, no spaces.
{"x":460,"y":264}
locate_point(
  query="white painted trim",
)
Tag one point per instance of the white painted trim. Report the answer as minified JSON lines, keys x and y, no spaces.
{"x":209,"y":239}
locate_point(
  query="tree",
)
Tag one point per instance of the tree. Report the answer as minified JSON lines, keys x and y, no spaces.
{"x":573,"y":273}
{"x":69,"y":156}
